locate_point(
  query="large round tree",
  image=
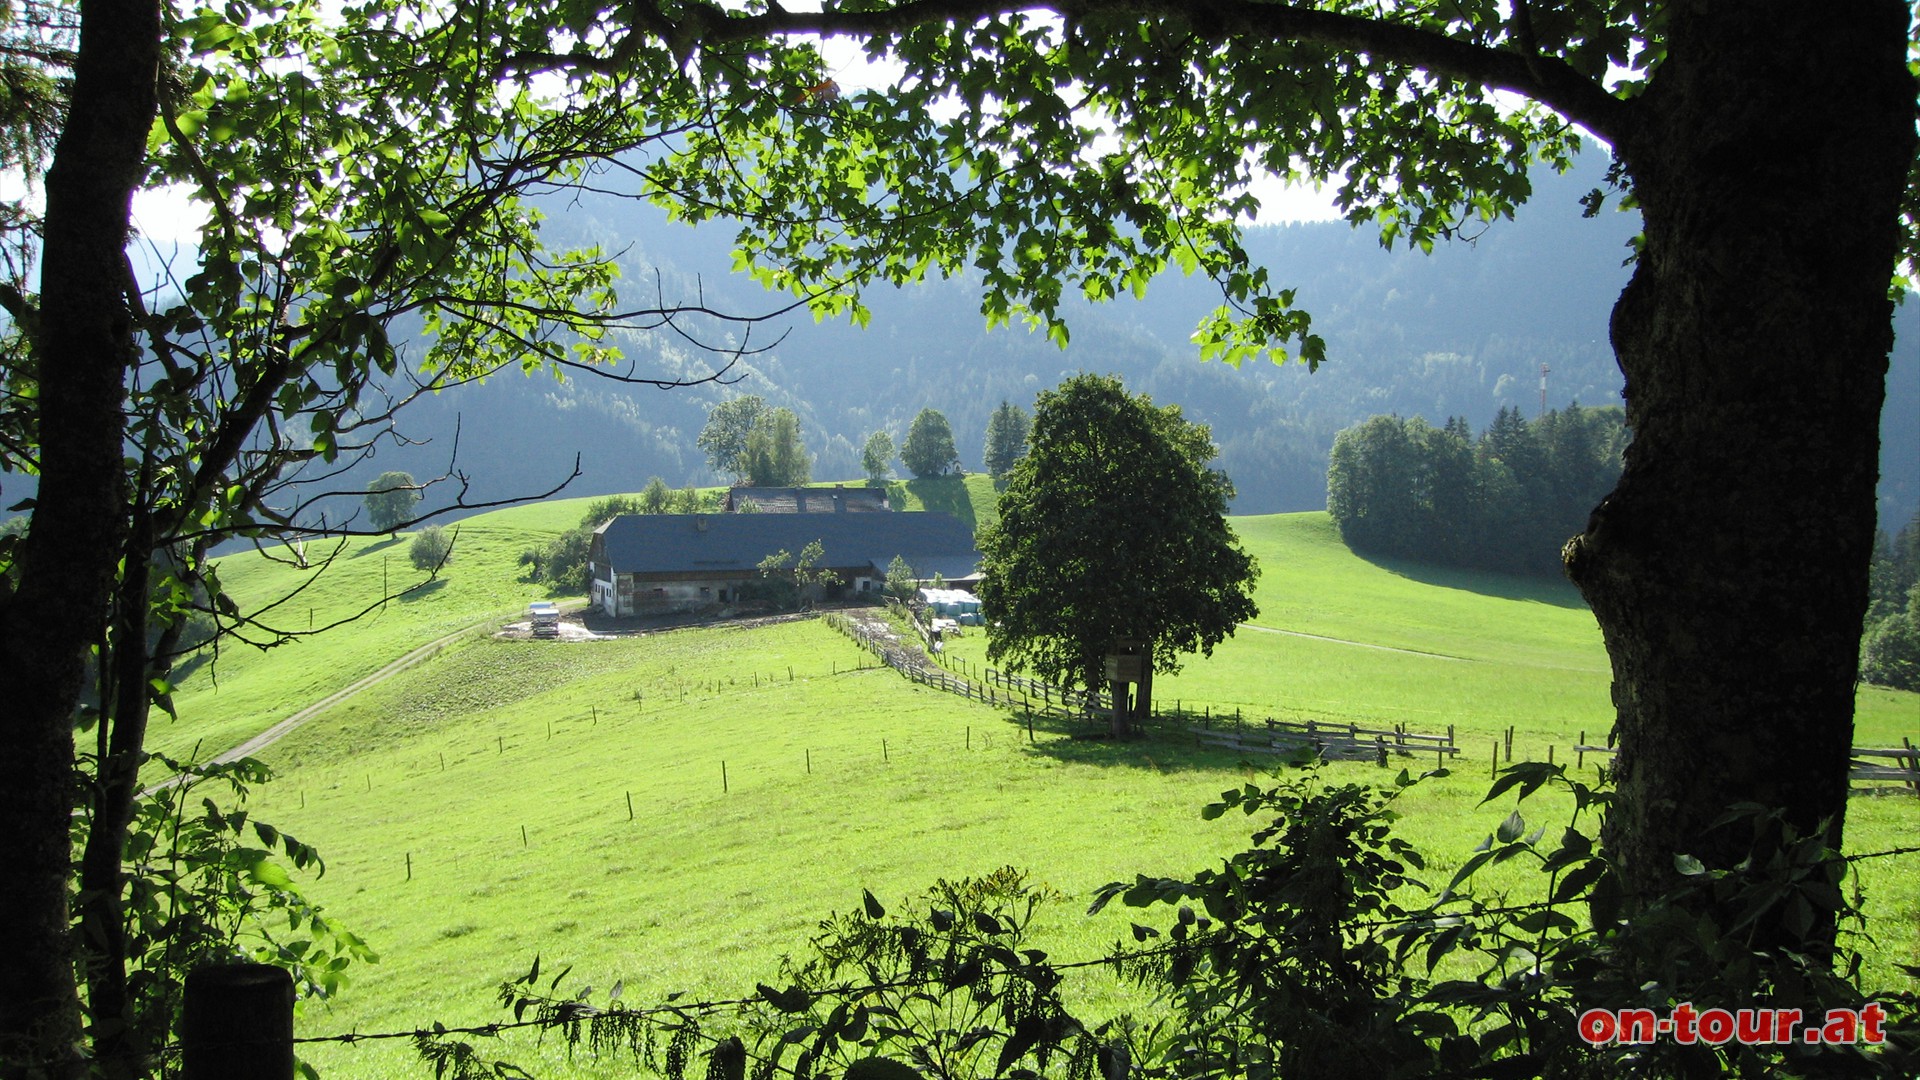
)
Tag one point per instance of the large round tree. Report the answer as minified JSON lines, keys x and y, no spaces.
{"x":1112,"y":530}
{"x":1769,"y":145}
{"x":929,"y":449}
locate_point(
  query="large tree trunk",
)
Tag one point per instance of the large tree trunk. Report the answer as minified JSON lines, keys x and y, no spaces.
{"x":67,"y":564}
{"x":1728,"y":571}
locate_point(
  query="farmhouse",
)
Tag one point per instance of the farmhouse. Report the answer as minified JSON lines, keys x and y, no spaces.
{"x":656,"y":563}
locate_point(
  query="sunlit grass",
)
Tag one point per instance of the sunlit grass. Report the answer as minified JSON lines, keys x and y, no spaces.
{"x":839,"y":776}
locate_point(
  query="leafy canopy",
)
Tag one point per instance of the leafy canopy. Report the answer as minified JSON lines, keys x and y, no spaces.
{"x":724,"y":438}
{"x":1085,"y":148}
{"x":875,"y":455}
{"x":391,"y":499}
{"x":1112,"y":527}
{"x":929,"y":449}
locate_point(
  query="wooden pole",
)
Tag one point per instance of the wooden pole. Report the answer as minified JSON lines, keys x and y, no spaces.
{"x":238,"y":1023}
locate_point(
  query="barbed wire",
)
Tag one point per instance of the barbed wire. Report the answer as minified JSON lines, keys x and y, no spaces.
{"x":581,"y":1011}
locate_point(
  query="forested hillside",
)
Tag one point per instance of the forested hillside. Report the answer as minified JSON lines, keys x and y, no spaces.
{"x":1462,"y":332}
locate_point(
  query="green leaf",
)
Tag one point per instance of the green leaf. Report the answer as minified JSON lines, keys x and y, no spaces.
{"x":1510,"y":829}
{"x":874,"y":910}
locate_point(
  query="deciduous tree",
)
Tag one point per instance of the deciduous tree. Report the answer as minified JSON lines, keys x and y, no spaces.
{"x":724,"y":438}
{"x":774,"y":455}
{"x":929,"y":449}
{"x":1769,"y":147}
{"x":1111,"y":529}
{"x":875,"y":455}
{"x":358,"y":167}
{"x":390,"y":500}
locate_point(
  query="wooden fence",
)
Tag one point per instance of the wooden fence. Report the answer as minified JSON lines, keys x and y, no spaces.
{"x":1905,"y":757}
{"x":1343,"y":742}
{"x":985,"y":685}
{"x":994,"y":687}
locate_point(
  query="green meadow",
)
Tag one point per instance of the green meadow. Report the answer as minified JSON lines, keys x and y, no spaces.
{"x":677,"y":810}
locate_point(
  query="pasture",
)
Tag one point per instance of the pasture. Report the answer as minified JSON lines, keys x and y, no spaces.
{"x":507,"y":799}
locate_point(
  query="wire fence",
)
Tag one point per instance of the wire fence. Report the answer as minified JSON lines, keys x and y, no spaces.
{"x":255,"y":1034}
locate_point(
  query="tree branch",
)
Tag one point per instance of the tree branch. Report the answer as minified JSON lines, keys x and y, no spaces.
{"x":1549,"y":81}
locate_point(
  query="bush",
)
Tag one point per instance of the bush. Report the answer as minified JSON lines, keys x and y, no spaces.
{"x":432,"y":548}
{"x":562,"y":562}
{"x":1890,"y":655}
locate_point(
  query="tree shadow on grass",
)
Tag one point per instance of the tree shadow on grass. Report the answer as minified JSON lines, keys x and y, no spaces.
{"x":423,"y":590}
{"x":947,"y":494}
{"x":380,"y":547}
{"x":1167,"y":746}
{"x":1556,"y":591}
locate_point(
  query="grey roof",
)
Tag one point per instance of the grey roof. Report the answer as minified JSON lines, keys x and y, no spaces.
{"x":803,"y":500}
{"x":930,"y":542}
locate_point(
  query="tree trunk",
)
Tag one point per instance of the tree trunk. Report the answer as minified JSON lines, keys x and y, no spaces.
{"x":1728,"y":570}
{"x":68,"y":560}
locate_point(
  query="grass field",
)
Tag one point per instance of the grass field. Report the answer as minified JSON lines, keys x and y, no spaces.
{"x":838,"y":775}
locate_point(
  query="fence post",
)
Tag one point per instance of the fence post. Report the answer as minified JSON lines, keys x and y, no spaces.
{"x":238,"y":1023}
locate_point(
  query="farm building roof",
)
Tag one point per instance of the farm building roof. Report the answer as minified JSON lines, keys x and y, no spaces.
{"x":801,"y":500}
{"x":930,"y":542}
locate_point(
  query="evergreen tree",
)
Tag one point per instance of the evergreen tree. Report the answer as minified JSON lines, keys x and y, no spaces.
{"x":1370,"y":486}
{"x":1007,"y":432}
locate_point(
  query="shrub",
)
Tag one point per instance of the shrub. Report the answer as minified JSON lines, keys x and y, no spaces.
{"x":431,"y":549}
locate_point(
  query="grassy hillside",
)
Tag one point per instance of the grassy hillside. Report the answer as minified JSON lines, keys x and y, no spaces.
{"x":972,"y":498}
{"x":246,"y":690}
{"x":838,"y":776}
{"x":1343,"y":638}
{"x":224,"y":700}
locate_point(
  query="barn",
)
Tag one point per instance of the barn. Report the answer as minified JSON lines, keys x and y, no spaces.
{"x":643,"y":564}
